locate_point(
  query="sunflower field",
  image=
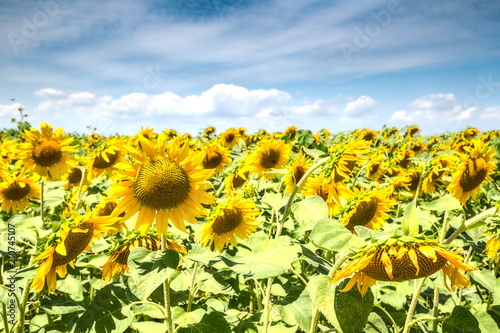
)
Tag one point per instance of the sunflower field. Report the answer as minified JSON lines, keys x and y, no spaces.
{"x":364,"y":231}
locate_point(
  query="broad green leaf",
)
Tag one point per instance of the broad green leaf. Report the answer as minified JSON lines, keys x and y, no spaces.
{"x":149,"y":326}
{"x":461,"y":321}
{"x":149,"y":269}
{"x":192,"y":317}
{"x":485,"y":278}
{"x":213,"y":282}
{"x":496,"y":300}
{"x":108,"y":311}
{"x":203,"y":255}
{"x":329,"y":235}
{"x":444,"y":203}
{"x":71,"y":286}
{"x":271,"y":262}
{"x":54,"y":197}
{"x":314,"y":153}
{"x":55,"y":305}
{"x":375,"y":324}
{"x":296,"y":308}
{"x":275,"y":200}
{"x":305,"y":138}
{"x":210,"y":323}
{"x":410,"y":219}
{"x":486,"y":322}
{"x":347,"y":311}
{"x":310,"y":210}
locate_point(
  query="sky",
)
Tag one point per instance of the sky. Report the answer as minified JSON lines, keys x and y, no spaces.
{"x":120,"y":65}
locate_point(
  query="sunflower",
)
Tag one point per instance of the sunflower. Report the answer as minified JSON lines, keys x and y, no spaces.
{"x":162,"y":183}
{"x":230,"y":137}
{"x":74,"y":177}
{"x":368,"y":208}
{"x":398,"y":260}
{"x":374,"y":168}
{"x":300,"y":165}
{"x":343,"y":160}
{"x":291,"y":131}
{"x":148,"y":133}
{"x":106,"y":208}
{"x":15,"y":193}
{"x":492,"y":247}
{"x":208,"y":132}
{"x":46,"y":153}
{"x":234,"y":217}
{"x":73,"y":240}
{"x":477,"y":166}
{"x":242,"y":131}
{"x":106,"y":158}
{"x":435,"y":171}
{"x":369,"y":135}
{"x":319,"y":185}
{"x":469,"y":133}
{"x":216,"y":157}
{"x":251,"y":139}
{"x":412,"y":130}
{"x":269,"y":155}
{"x":117,"y":262}
{"x":237,"y":179}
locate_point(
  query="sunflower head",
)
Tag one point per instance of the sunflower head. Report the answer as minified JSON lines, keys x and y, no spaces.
{"x":46,"y":153}
{"x":412,"y":130}
{"x":401,"y":258}
{"x":300,"y":165}
{"x":234,"y":217}
{"x":291,"y":132}
{"x":269,"y":155}
{"x":477,"y":166}
{"x":16,"y":191}
{"x":237,"y":178}
{"x":216,"y":157}
{"x":209,"y":131}
{"x":230,"y":137}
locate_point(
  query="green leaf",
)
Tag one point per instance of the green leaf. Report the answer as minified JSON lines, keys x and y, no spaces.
{"x":272,"y":261}
{"x":314,"y":153}
{"x":410,"y":219}
{"x":330,"y":235}
{"x":375,"y":324}
{"x":210,"y":323}
{"x":310,"y":210}
{"x":461,"y":321}
{"x":54,"y":197}
{"x":55,"y":305}
{"x":149,"y":326}
{"x":485,"y":278}
{"x":275,"y":200}
{"x":444,"y":203}
{"x":305,"y":138}
{"x":296,"y":308}
{"x":486,"y":322}
{"x":496,"y":300}
{"x":108,"y":311}
{"x":149,"y":269}
{"x":347,"y":311}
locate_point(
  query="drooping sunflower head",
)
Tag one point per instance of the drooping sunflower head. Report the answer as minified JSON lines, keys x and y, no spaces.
{"x":319,"y":185}
{"x":216,"y":157}
{"x":368,"y":208}
{"x":251,"y":139}
{"x":164,"y":182}
{"x":117,"y":262}
{"x":15,"y":193}
{"x":434,"y":172}
{"x":230,"y":137}
{"x":234,"y":217}
{"x":469,"y":133}
{"x":46,"y":153}
{"x":477,"y":166}
{"x":374,"y":169}
{"x":412,"y":130}
{"x":269,"y":155}
{"x":400,"y":259}
{"x":369,"y":135}
{"x":492,"y":234}
{"x":209,"y":131}
{"x":343,"y":159}
{"x":237,"y":178}
{"x":291,"y":131}
{"x":72,"y":240}
{"x":300,"y":165}
{"x":170,"y":134}
{"x":105,"y":159}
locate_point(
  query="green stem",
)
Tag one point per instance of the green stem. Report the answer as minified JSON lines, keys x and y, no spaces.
{"x":220,"y":189}
{"x":22,"y":306}
{"x":444,"y":228}
{"x":166,"y":292}
{"x":396,"y":327}
{"x":41,"y":198}
{"x":413,"y":305}
{"x":435,"y":308}
{"x":251,"y":291}
{"x":434,"y":319}
{"x":466,"y":260}
{"x":191,"y":287}
{"x":298,"y":275}
{"x":315,"y":319}
{"x":260,"y":293}
{"x":4,"y":307}
{"x":267,"y":304}
{"x":470,"y":222}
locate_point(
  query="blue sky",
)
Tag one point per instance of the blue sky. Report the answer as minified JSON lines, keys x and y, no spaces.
{"x":120,"y":65}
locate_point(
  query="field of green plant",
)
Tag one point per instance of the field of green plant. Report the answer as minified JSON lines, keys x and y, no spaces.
{"x":365,"y":231}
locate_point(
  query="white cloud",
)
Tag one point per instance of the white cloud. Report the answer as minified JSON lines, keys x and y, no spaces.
{"x":492,"y":112}
{"x":50,"y":93}
{"x":401,"y":116}
{"x":360,"y":106}
{"x":10,"y":110}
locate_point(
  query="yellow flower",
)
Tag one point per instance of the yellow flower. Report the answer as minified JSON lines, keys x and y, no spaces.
{"x":435,"y":171}
{"x":216,"y":157}
{"x":368,"y":208}
{"x":117,"y":262}
{"x":402,"y":261}
{"x":300,"y":165}
{"x":492,"y":247}
{"x":230,"y":137}
{"x":209,"y":131}
{"x":46,"y":153}
{"x":73,"y":240}
{"x":163,"y":183}
{"x":237,"y":179}
{"x":477,"y":166}
{"x":267,"y":156}
{"x":234,"y":217}
{"x":15,"y":193}
{"x":291,"y":132}
{"x":374,"y":169}
{"x":105,"y":159}
{"x":319,"y":185}
{"x":412,"y":130}
{"x":369,"y":135}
